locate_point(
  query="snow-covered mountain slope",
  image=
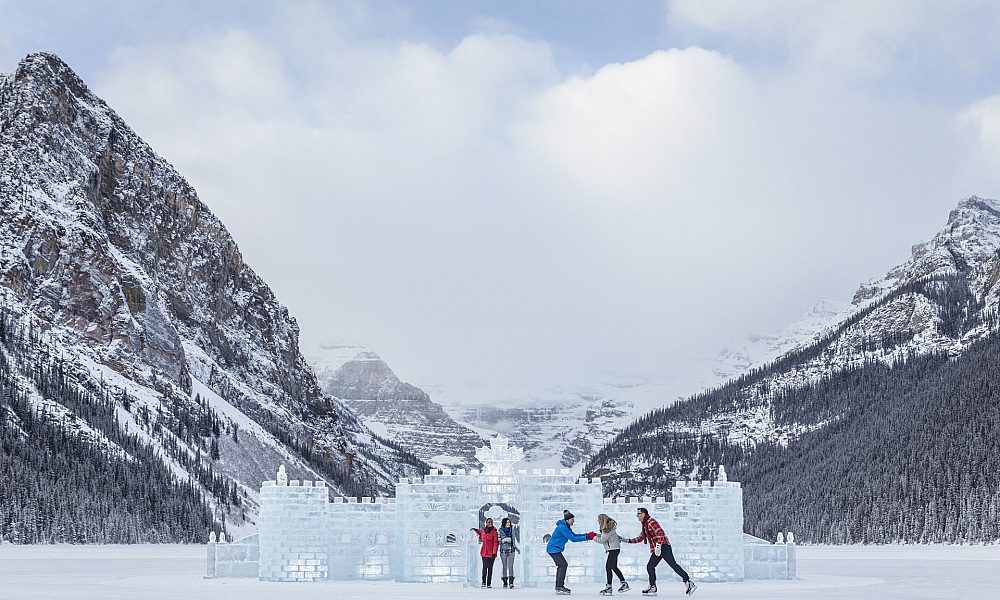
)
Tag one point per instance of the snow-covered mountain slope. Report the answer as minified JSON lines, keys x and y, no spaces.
{"x":396,"y":410}
{"x":941,"y":300}
{"x":562,"y":426}
{"x":895,"y":403}
{"x":761,"y":348}
{"x":141,"y":292}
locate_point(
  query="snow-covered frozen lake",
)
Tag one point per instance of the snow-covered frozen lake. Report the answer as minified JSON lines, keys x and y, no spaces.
{"x":175,"y":572}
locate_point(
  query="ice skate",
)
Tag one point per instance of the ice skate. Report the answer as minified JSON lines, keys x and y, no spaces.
{"x":606,"y":591}
{"x":562,"y":591}
{"x":691,"y":587}
{"x":623,"y":588}
{"x":650,"y":591}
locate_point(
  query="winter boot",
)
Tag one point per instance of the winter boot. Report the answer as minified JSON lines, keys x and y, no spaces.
{"x":650,"y":591}
{"x":691,"y":587}
{"x":606,"y":591}
{"x":624,"y":587}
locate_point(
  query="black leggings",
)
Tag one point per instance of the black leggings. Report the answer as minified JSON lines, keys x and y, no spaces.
{"x":561,"y":566}
{"x":612,"y":565}
{"x":488,"y":569}
{"x":666,"y":554}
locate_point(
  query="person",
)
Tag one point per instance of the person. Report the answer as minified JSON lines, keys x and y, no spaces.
{"x":557,"y":543}
{"x":488,"y":551}
{"x":609,"y":538}
{"x":507,"y":549}
{"x":659,"y":548}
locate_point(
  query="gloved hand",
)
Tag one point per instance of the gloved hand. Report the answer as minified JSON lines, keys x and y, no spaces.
{"x":591,"y":535}
{"x":656,"y":550}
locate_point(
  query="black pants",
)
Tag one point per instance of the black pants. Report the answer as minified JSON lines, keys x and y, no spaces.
{"x":561,"y":566}
{"x":612,"y":566}
{"x":667,"y":554}
{"x":488,"y":569}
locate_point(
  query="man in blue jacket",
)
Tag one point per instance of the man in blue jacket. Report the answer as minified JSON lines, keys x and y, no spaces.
{"x":557,"y":543}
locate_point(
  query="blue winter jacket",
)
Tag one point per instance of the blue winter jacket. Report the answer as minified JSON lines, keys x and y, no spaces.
{"x":561,"y":535}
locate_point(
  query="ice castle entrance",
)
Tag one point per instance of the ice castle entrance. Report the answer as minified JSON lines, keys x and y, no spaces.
{"x":498,"y":511}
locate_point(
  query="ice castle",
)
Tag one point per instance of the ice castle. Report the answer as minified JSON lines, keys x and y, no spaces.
{"x":423,"y":534}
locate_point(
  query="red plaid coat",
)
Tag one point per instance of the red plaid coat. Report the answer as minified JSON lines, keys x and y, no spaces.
{"x":652,"y":533}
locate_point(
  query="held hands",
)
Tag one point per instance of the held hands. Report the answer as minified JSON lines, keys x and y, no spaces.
{"x":591,"y":535}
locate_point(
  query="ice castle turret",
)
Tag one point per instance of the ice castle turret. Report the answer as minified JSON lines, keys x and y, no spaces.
{"x":422,"y":535}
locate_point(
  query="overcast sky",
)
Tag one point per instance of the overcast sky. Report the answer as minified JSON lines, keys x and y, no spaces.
{"x":542,"y":191}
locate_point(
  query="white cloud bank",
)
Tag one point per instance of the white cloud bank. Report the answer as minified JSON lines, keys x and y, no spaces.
{"x":473,"y":213}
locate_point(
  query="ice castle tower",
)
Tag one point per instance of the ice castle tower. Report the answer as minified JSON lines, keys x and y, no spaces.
{"x":423,"y":534}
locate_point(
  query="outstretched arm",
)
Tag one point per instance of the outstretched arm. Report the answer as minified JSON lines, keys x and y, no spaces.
{"x":636,"y":540}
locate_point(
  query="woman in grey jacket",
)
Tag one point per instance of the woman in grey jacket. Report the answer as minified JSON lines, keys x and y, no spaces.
{"x":609,"y":538}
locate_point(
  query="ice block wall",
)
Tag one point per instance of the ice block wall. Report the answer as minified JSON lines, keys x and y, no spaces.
{"x":293,"y":530}
{"x":237,"y":559}
{"x":423,"y":534}
{"x":706,"y":529}
{"x":633,"y":558}
{"x":545,"y":495}
{"x":766,"y":560}
{"x":433,"y":518}
{"x":361,"y":538}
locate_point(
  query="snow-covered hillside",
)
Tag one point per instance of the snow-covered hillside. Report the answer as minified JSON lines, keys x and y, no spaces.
{"x":558,"y":426}
{"x":143,"y":295}
{"x":892,"y":401}
{"x":561,"y":426}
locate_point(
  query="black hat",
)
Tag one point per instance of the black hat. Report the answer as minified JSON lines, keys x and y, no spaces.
{"x":567,"y":515}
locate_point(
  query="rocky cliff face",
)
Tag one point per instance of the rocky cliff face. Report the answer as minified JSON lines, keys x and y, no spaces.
{"x":110,"y":251}
{"x":397,"y":410}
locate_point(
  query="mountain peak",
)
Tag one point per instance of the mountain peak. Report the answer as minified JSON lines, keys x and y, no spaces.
{"x":974,"y":206}
{"x":46,"y":67}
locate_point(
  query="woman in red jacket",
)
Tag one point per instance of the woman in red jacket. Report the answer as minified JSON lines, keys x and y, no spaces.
{"x":490,"y":545}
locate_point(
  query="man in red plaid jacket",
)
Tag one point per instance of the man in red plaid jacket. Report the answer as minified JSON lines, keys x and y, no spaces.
{"x":659,"y":548}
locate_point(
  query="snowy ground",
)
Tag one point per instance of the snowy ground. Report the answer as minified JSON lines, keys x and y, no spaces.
{"x":175,"y":572}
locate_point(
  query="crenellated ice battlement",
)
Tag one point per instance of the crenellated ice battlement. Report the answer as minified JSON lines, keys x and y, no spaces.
{"x":422,"y":534}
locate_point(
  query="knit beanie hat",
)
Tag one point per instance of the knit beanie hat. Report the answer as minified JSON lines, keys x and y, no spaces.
{"x":567,"y":515}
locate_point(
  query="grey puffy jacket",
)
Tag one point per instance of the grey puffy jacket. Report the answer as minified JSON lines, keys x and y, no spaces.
{"x":610,"y":540}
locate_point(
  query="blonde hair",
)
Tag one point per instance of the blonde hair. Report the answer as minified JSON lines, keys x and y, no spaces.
{"x":605,"y":523}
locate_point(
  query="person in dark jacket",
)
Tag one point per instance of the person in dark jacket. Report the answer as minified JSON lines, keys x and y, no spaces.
{"x":659,"y":548}
{"x":488,"y":551}
{"x":557,"y":543}
{"x":507,"y":549}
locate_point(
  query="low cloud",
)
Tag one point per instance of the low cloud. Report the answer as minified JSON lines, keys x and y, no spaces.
{"x":472,"y":212}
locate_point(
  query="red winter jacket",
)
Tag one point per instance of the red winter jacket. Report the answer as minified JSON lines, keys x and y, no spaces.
{"x":489,"y":540}
{"x":651,"y":533}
